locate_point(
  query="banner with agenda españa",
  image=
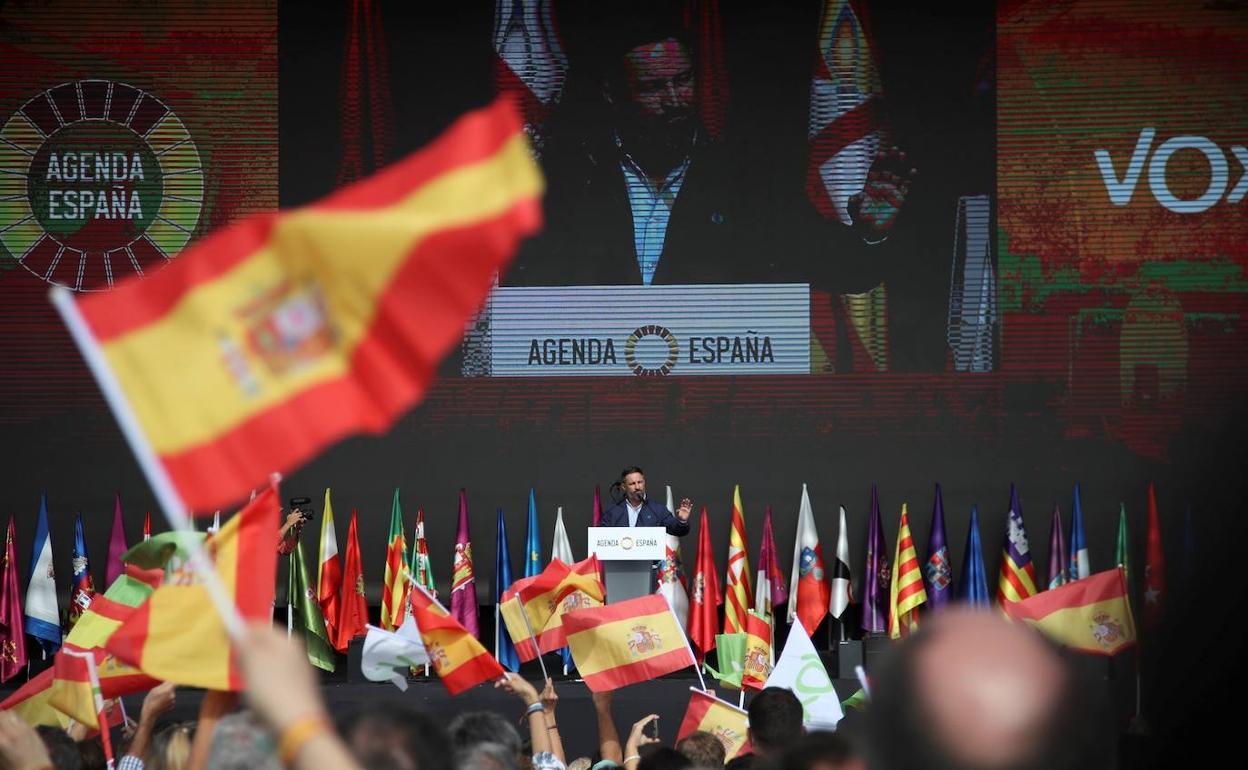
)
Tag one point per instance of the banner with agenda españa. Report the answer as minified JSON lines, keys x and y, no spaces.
{"x":642,"y":331}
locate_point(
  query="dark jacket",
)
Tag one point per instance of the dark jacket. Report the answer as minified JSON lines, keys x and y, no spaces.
{"x":652,"y":514}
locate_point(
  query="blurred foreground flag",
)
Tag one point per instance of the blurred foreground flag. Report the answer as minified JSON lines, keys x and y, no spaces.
{"x":719,"y":718}
{"x":292,"y":330}
{"x":1089,"y":615}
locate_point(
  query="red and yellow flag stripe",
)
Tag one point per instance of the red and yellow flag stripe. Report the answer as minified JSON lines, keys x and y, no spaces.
{"x":545,"y":599}
{"x":739,"y":596}
{"x":723,"y":720}
{"x":301,"y":323}
{"x":458,"y":658}
{"x":757,"y":651}
{"x":1091,"y":615}
{"x":626,"y":642}
{"x":906,"y":592}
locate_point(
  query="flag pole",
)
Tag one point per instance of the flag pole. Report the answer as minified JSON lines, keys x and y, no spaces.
{"x":533,"y":640}
{"x":290,"y":608}
{"x":697,"y":667}
{"x":166,"y":494}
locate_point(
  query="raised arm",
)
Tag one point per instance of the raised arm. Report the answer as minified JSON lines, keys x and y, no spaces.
{"x":608,"y":737}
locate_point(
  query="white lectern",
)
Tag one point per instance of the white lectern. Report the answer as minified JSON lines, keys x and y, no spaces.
{"x":627,"y":554}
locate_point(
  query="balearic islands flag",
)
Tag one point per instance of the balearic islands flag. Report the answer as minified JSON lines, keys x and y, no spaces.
{"x":1090,"y":615}
{"x":626,"y":642}
{"x":293,"y":330}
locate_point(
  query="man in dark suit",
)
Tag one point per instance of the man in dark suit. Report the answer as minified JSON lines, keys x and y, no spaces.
{"x":637,"y":510}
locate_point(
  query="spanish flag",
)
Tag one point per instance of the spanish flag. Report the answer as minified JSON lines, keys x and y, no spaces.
{"x":456,"y":655}
{"x":30,"y":702}
{"x":906,"y":591}
{"x":1090,"y":615}
{"x":626,"y":642}
{"x":545,"y":599}
{"x":757,"y":651}
{"x":177,"y":634}
{"x":719,"y":718}
{"x":292,"y":330}
{"x":70,"y":692}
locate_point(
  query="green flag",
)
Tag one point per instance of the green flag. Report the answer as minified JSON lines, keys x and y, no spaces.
{"x":730,"y":654}
{"x":307,"y":613}
{"x":856,"y":701}
{"x":169,"y":551}
{"x":1122,"y":554}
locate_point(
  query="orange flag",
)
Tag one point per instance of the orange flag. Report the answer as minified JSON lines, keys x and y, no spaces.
{"x":458,"y":658}
{"x":352,"y":618}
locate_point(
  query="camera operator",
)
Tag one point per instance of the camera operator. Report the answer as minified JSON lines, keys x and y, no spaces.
{"x":300,"y":514}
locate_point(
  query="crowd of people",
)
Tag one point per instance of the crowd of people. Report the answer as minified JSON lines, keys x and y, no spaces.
{"x":969,"y":690}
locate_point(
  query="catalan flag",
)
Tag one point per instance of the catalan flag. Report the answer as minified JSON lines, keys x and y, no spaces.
{"x":906,"y":590}
{"x":758,"y":656}
{"x":626,"y":642}
{"x":293,"y":330}
{"x":719,"y":718}
{"x":1091,"y":615}
{"x":457,"y":657}
{"x":1017,"y":580}
{"x":544,"y":599}
{"x":738,"y":595}
{"x":177,"y":634}
{"x":394,"y":589}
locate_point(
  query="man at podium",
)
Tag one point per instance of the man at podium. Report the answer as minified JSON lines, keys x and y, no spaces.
{"x":637,"y":510}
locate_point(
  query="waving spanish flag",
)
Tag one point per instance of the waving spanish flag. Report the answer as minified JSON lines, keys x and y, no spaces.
{"x":544,"y":599}
{"x":177,"y":635}
{"x":456,"y":655}
{"x":757,"y":651}
{"x":719,"y":718}
{"x":1090,"y":615}
{"x":626,"y":642}
{"x":293,"y":330}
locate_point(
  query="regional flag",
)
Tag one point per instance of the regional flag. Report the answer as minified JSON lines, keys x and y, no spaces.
{"x":757,"y":651}
{"x":116,"y":544}
{"x":719,"y":718}
{"x":1058,"y":575}
{"x":418,"y":564}
{"x":973,"y":582}
{"x":42,"y":616}
{"x":1154,"y":567}
{"x":394,"y":587}
{"x":292,"y":330}
{"x":456,"y":655}
{"x":12,"y":634}
{"x":626,"y":642}
{"x":177,"y":635}
{"x":906,"y":590}
{"x":1080,"y":564}
{"x":730,"y":655}
{"x":738,"y":595}
{"x":808,"y":585}
{"x":1017,"y":580}
{"x":352,"y":620}
{"x":82,"y":587}
{"x":938,"y":571}
{"x":704,"y":599}
{"x":463,"y":577}
{"x":328,"y":570}
{"x":877,"y":575}
{"x":305,"y":612}
{"x":1090,"y":615}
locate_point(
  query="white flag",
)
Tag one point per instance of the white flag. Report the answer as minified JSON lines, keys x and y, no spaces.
{"x":800,"y":670}
{"x":388,"y":656}
{"x":560,"y":548}
{"x":842,"y":591}
{"x":671,"y":575}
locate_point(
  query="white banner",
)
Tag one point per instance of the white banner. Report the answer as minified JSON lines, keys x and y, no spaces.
{"x":642,"y":331}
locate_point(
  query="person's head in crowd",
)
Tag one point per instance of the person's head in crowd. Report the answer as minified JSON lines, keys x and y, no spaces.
{"x":820,"y":750}
{"x":171,"y":747}
{"x":476,"y":727}
{"x":749,"y":761}
{"x":397,"y":737}
{"x":61,"y":748}
{"x":702,"y":749}
{"x":775,"y":720}
{"x":656,"y":757}
{"x":240,"y":742}
{"x":92,"y":752}
{"x":976,"y":692}
{"x":486,"y":756}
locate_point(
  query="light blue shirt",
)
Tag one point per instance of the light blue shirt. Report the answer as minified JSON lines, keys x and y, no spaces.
{"x":633,"y":513}
{"x":652,"y":209}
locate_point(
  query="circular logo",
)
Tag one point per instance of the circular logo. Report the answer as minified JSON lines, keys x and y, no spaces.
{"x":98,"y":180}
{"x":626,"y":543}
{"x":636,"y":351}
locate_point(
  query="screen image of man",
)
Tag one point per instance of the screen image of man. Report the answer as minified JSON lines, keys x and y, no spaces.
{"x":637,"y":510}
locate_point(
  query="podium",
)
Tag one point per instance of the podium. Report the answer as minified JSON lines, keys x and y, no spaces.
{"x":627,"y":554}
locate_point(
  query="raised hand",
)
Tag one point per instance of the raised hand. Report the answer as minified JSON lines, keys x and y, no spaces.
{"x":874,"y":210}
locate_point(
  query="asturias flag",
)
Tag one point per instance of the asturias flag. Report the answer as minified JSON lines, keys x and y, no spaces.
{"x":973,"y":582}
{"x":292,"y":330}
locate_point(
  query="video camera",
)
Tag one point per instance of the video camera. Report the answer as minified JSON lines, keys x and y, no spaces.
{"x":302,"y":505}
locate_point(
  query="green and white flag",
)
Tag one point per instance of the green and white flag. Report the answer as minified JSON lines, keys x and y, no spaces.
{"x":388,"y":656}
